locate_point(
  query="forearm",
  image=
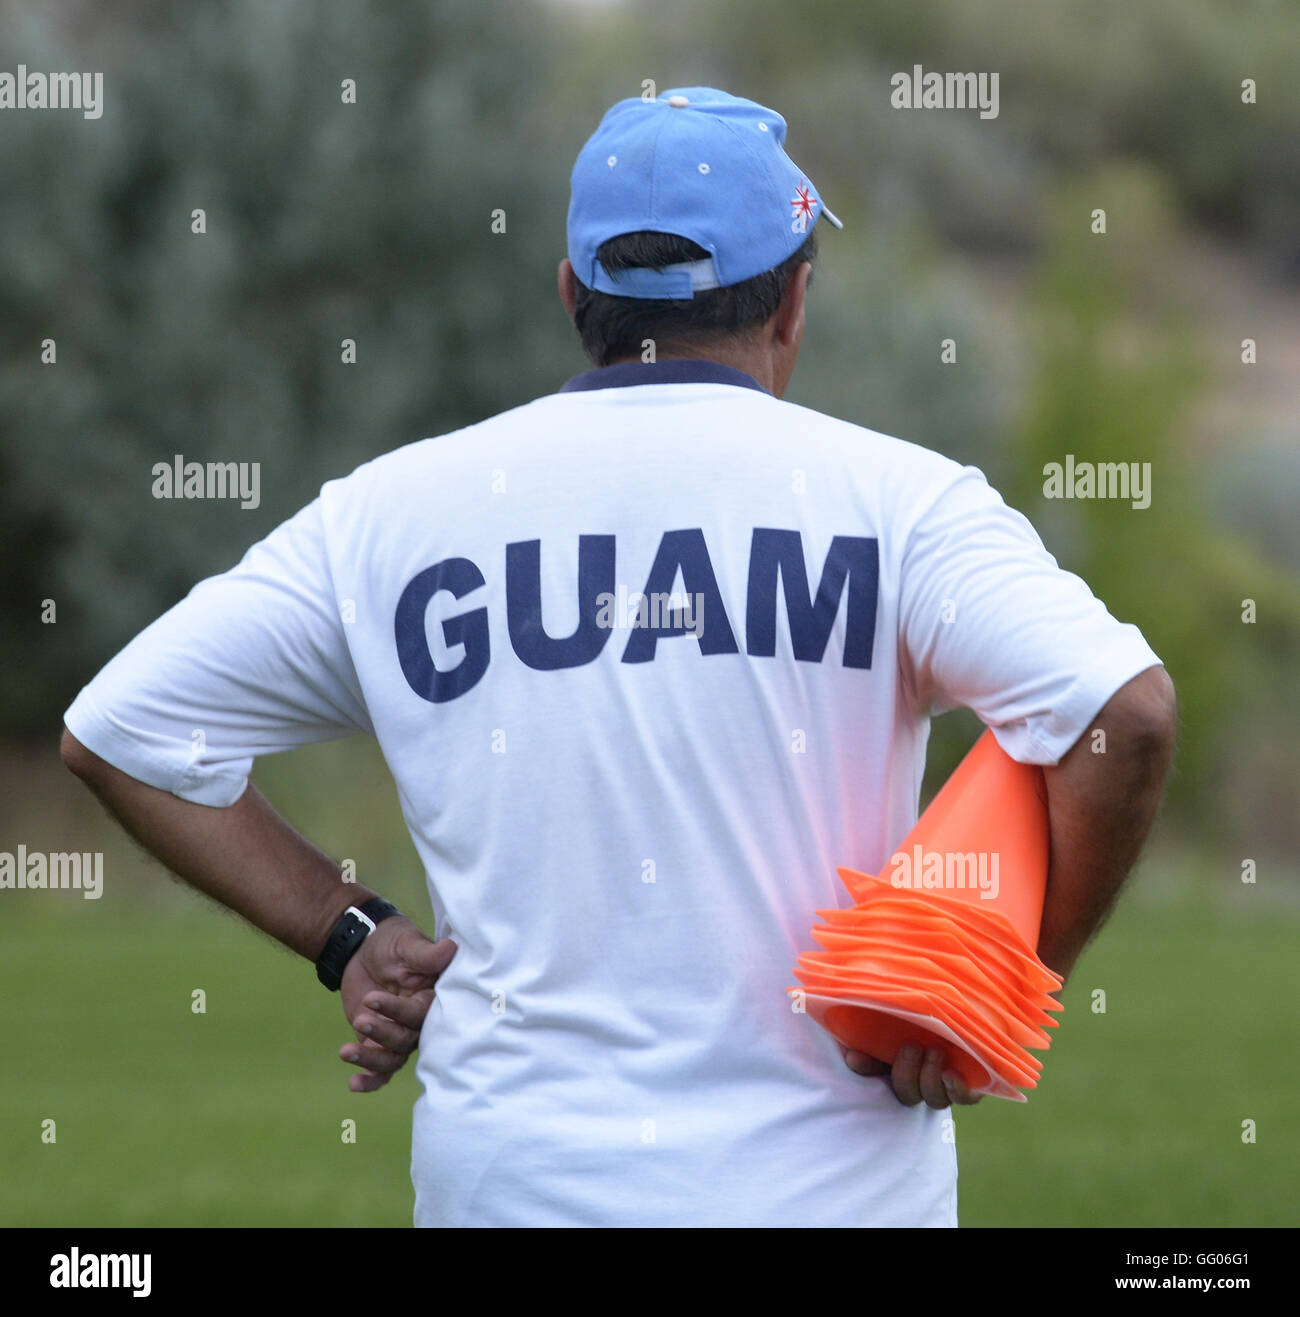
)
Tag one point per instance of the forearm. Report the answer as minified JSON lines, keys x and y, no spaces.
{"x":1101,"y":806}
{"x":245,"y":856}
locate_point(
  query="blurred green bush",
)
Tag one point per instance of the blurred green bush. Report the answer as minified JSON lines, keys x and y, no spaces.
{"x":372,"y":222}
{"x":325,"y":221}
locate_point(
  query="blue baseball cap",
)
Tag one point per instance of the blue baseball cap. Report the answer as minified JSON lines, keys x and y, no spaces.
{"x":698,"y":163}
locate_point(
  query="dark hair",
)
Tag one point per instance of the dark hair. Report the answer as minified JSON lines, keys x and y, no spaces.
{"x":615,"y":327}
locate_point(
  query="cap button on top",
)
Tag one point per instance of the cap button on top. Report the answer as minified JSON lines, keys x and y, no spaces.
{"x":678,"y":101}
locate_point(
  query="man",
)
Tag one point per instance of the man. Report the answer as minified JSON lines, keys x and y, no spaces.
{"x":648,"y":658}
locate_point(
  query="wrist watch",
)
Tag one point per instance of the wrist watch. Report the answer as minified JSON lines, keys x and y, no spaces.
{"x":357,"y":923}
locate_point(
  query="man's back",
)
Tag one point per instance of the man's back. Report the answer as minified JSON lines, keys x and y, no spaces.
{"x":628,"y":833}
{"x":629,"y":851}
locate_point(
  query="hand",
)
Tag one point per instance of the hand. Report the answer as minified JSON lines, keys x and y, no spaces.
{"x":916,"y":1076}
{"x":387,"y":990}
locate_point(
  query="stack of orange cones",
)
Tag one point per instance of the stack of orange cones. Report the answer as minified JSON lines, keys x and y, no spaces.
{"x":939,"y":950}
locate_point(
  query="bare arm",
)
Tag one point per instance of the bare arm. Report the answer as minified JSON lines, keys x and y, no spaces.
{"x":245,"y":856}
{"x":1101,"y":804}
{"x":248,"y":858}
{"x":1100,"y":807}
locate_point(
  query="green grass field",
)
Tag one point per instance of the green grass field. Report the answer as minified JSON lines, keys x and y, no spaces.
{"x":233,"y":1117}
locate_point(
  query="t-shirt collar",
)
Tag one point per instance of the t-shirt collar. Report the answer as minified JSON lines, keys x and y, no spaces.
{"x":672,"y":370}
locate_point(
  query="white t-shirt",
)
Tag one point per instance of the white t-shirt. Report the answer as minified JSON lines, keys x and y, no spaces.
{"x":628,"y":832}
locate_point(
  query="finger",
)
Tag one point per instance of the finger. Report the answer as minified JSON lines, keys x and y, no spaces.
{"x":905,"y":1075}
{"x":421,"y":956}
{"x":958,"y":1090}
{"x":932,"y":1086}
{"x":407,"y":1011}
{"x":862,"y":1064}
{"x":378,"y":1029}
{"x":371,"y":1056}
{"x":366,"y":1082}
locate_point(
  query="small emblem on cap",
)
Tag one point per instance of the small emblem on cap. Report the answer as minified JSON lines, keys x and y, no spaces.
{"x":678,"y":101}
{"x":803,"y":202}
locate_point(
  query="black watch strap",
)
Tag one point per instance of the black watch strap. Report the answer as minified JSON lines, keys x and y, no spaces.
{"x":357,"y":923}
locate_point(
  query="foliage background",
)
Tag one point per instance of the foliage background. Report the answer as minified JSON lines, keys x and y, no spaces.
{"x":371,"y":222}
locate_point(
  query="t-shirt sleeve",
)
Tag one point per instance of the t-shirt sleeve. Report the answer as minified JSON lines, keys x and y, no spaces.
{"x":250,"y":662}
{"x":990,"y":622}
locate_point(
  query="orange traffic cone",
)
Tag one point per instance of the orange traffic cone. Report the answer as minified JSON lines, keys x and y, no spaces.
{"x":939,"y":949}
